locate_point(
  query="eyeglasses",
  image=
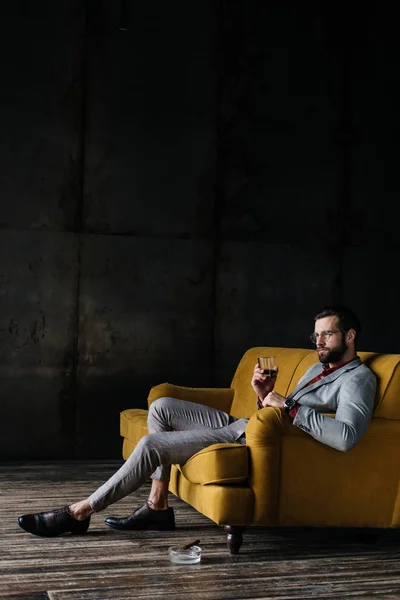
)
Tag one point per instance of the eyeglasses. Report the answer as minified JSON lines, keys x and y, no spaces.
{"x":314,"y":337}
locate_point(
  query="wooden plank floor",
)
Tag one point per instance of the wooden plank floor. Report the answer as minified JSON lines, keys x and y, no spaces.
{"x":107,"y":564}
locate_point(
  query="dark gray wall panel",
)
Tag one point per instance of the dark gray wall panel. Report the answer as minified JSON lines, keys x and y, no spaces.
{"x":151,"y":144}
{"x":264,"y":136}
{"x":145,"y":317}
{"x":375,"y":69}
{"x":38,"y":275}
{"x":369,"y":285}
{"x":268,"y":294}
{"x":279,"y":112}
{"x":40,"y":116}
{"x":38,"y":280}
{"x":36,"y":420}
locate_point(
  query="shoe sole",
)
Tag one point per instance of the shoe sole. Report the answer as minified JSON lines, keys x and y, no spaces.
{"x":142,"y":527}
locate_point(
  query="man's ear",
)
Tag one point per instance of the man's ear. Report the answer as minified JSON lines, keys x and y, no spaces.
{"x":351,"y":335}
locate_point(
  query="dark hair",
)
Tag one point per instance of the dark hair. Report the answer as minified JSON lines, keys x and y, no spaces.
{"x":347,"y":318}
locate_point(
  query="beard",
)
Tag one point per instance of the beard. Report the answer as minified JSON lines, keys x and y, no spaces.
{"x":334,"y":355}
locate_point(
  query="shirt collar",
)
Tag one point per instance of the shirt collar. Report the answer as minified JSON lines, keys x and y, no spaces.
{"x":328,"y":370}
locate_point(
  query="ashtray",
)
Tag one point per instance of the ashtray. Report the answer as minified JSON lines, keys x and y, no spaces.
{"x":184,"y":556}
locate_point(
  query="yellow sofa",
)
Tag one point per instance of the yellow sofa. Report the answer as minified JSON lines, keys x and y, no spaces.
{"x":282,"y":476}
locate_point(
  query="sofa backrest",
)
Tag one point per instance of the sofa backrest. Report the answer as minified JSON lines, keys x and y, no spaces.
{"x":288,"y":360}
{"x":294,"y":362}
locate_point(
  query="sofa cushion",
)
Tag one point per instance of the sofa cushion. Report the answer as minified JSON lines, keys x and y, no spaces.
{"x":387,"y":369}
{"x":219,"y":463}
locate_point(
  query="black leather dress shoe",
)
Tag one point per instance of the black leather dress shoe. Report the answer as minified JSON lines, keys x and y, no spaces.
{"x":53,"y":523}
{"x":144,"y":517}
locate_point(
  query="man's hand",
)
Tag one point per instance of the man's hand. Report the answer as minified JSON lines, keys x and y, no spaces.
{"x":261,"y":384}
{"x":274,"y":399}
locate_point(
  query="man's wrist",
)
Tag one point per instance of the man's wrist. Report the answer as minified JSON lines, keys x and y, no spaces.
{"x":292,"y":409}
{"x":289,"y":404}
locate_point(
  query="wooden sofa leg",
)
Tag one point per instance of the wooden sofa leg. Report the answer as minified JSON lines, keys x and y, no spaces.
{"x":234,"y":537}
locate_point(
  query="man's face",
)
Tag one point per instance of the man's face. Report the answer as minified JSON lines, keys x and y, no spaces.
{"x":330,"y":348}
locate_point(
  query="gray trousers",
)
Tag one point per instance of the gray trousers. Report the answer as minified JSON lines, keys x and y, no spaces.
{"x":177,"y":430}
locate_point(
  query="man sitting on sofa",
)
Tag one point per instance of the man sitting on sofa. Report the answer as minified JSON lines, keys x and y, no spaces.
{"x":179,"y":429}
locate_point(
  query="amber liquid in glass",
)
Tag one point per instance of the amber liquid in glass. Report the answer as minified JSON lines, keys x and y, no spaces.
{"x":270,"y":373}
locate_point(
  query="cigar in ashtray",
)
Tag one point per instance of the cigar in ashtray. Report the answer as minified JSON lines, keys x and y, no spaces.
{"x":190,"y":544}
{"x":188,"y":554}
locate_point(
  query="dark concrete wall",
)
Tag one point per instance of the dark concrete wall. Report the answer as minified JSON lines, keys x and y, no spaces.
{"x":178,"y":192}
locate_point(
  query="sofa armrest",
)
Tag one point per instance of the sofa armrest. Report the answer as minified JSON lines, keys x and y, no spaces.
{"x":381,"y":429}
{"x":219,"y":398}
{"x":264,"y":433}
{"x":359,"y":488}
